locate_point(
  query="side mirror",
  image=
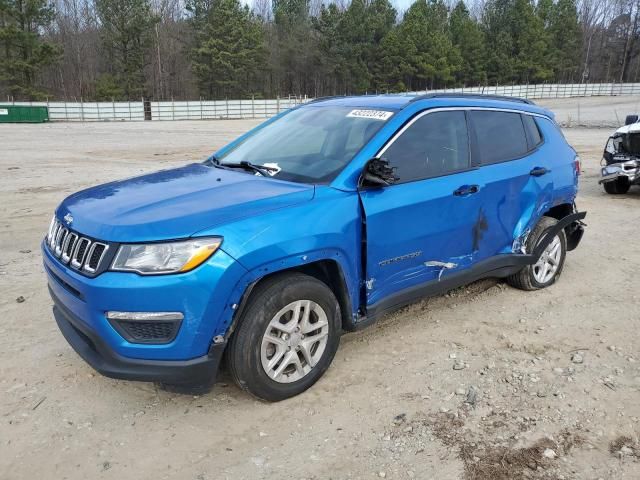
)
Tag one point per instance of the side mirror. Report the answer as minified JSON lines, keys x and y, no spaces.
{"x":377,"y":173}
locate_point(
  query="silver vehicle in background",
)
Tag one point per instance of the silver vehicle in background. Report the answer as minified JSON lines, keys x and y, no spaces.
{"x":621,"y":158}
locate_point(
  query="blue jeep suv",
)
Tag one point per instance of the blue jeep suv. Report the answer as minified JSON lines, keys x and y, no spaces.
{"x":316,"y":222}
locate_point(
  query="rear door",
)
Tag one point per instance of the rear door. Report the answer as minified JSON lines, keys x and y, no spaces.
{"x":421,"y":227}
{"x":512,"y":174}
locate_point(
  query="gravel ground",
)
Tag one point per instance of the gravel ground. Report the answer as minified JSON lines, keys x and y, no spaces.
{"x":545,"y":384}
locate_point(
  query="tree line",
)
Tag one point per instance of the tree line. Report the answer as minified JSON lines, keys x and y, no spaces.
{"x":186,"y":49}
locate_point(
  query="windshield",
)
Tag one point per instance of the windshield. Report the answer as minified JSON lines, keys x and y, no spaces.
{"x":310,"y":144}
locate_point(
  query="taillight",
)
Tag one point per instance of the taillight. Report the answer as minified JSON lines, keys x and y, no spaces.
{"x":577,"y":164}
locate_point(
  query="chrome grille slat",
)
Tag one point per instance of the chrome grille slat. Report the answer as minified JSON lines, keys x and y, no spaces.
{"x":62,"y":233}
{"x":73,"y":249}
{"x":87,"y":264}
{"x":80,"y":254}
{"x":54,"y":235}
{"x":67,"y":247}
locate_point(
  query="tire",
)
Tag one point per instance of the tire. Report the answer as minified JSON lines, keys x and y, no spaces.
{"x":529,"y":277}
{"x":271,"y":308}
{"x":630,"y":119}
{"x":619,"y":186}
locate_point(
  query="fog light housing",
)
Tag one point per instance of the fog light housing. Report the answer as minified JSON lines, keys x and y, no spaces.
{"x":146,"y":327}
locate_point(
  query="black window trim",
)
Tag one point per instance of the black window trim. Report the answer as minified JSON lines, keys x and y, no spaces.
{"x":474,"y":162}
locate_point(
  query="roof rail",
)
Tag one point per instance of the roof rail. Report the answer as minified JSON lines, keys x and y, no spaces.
{"x":328,"y":97}
{"x":480,"y":96}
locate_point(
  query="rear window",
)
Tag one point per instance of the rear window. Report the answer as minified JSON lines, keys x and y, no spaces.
{"x":500,"y":136}
{"x":533,"y":133}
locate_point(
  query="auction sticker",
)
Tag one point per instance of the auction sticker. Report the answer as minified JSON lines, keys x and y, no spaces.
{"x":373,"y":114}
{"x":4,"y":111}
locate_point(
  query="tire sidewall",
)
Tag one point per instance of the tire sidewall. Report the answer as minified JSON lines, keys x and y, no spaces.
{"x":246,"y":354}
{"x":539,"y":231}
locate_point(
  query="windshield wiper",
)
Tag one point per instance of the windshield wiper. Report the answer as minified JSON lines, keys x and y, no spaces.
{"x":261,"y":169}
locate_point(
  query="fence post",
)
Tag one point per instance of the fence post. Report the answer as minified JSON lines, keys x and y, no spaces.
{"x":253,"y":106}
{"x":113,"y":107}
{"x":98,"y":110}
{"x":277,"y":104}
{"x":201,"y":108}
{"x":81,"y":110}
{"x":226,"y":103}
{"x":129,"y":105}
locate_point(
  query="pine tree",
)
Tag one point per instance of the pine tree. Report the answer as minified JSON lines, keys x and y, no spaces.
{"x":126,"y":36}
{"x":228,"y":51}
{"x":566,"y":36}
{"x":436,"y":61}
{"x":468,"y":38}
{"x":517,"y":43}
{"x":326,"y":28}
{"x":393,"y":68}
{"x":23,"y":51}
{"x":296,"y":52}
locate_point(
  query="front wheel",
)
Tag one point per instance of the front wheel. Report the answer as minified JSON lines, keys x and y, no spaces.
{"x":287,"y":337}
{"x":549,"y":266}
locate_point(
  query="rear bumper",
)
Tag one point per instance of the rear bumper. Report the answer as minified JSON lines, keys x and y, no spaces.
{"x":97,"y":353}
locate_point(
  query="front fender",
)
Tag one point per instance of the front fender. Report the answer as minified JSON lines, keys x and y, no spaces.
{"x":244,"y":287}
{"x":329,"y":227}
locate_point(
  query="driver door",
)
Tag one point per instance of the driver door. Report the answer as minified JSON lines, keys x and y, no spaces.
{"x":421,"y":227}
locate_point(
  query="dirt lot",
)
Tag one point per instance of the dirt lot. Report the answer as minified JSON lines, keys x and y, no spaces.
{"x":549,"y":388}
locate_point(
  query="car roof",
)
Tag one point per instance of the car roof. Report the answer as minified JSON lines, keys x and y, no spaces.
{"x":433,"y":100}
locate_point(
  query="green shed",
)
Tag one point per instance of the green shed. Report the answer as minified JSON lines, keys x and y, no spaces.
{"x":23,"y":114}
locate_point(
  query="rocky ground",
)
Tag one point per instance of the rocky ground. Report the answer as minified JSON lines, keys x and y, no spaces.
{"x":486,"y":382}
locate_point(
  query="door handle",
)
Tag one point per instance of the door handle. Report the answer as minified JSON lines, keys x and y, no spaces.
{"x":539,"y":171}
{"x":465,"y":190}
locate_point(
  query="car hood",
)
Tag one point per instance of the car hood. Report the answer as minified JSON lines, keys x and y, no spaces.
{"x":175,"y":203}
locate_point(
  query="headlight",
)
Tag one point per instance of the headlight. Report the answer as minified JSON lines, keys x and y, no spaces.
{"x":166,"y":257}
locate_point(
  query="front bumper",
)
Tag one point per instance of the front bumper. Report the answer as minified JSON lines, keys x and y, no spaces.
{"x":97,"y":353}
{"x":206,"y":296}
{"x":629,"y":169}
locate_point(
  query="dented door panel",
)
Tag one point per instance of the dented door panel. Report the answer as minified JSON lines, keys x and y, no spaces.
{"x":511,"y":199}
{"x":515,"y":196}
{"x":417,"y":232}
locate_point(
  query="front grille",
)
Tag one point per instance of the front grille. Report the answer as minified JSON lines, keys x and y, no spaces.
{"x":148,"y":332}
{"x":80,"y":253}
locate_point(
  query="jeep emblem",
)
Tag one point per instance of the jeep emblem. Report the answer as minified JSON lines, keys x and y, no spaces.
{"x":68,"y":218}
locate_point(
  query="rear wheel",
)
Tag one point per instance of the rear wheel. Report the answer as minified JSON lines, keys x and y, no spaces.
{"x":549,"y":266}
{"x":618,"y":186}
{"x":287,"y":337}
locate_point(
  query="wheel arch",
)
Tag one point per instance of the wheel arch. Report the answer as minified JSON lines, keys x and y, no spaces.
{"x":560,"y":211}
{"x":327,"y":270}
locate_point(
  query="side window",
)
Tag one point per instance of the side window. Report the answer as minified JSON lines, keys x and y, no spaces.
{"x":500,"y":136}
{"x":533,"y":132}
{"x":435,"y":144}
